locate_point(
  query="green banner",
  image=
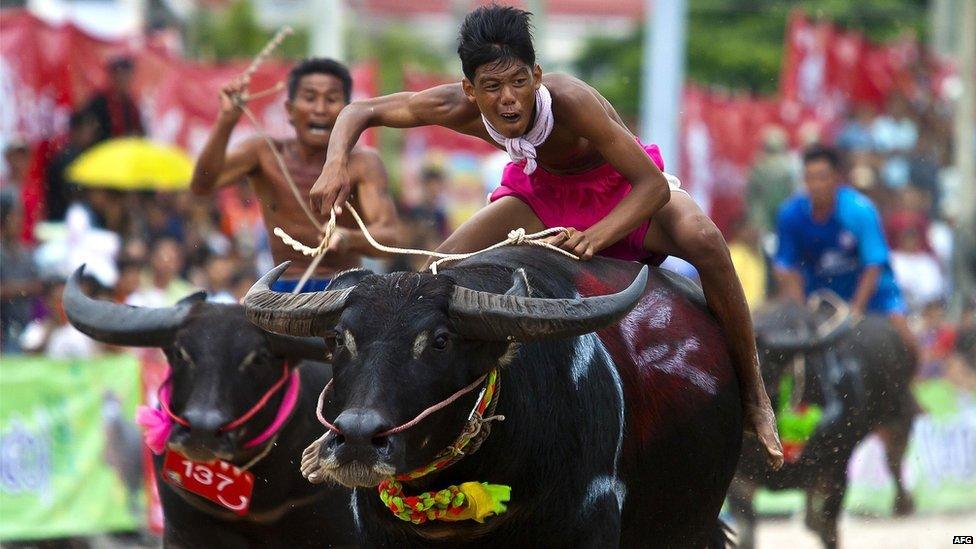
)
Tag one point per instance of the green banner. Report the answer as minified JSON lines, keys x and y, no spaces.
{"x":70,"y":461}
{"x":939,"y":467}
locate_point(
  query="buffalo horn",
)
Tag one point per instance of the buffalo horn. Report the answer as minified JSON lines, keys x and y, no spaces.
{"x":827,"y":333}
{"x":118,"y":324}
{"x":308,"y":348}
{"x":490,"y":316}
{"x":302,"y":315}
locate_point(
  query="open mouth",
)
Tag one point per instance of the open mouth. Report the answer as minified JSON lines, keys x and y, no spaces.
{"x":510,"y":117}
{"x":318,"y":129}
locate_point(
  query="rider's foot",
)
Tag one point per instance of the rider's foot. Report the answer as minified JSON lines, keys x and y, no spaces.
{"x":760,"y":421}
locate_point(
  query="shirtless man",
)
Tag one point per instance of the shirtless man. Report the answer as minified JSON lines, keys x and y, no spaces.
{"x":582,"y":169}
{"x":317,"y":90}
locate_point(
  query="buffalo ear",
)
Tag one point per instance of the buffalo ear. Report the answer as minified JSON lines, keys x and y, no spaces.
{"x":348,"y":279}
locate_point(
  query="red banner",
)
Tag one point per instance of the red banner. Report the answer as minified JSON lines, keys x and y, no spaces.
{"x":46,"y":71}
{"x":49,"y":70}
{"x":826,"y":70}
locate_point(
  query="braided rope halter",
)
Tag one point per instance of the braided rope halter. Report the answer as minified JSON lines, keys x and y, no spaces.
{"x":470,"y":500}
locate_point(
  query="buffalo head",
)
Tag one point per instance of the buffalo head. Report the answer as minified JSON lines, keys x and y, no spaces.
{"x":220,"y":364}
{"x":405,"y":341}
{"x":785,"y":329}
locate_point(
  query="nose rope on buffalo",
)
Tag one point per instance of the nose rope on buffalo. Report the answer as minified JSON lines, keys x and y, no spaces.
{"x":467,"y":501}
{"x":515,"y":237}
{"x":420,"y":417}
{"x":158,"y":422}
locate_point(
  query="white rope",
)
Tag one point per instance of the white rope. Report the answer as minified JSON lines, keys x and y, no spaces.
{"x":515,"y":237}
{"x":284,"y":169}
{"x":241,"y":102}
{"x":265,"y":53}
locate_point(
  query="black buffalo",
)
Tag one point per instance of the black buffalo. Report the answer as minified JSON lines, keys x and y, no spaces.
{"x":860,"y":376}
{"x":624,"y":437}
{"x":221,"y":365}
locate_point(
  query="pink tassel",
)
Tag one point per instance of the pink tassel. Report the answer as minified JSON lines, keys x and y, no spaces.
{"x":157,"y":426}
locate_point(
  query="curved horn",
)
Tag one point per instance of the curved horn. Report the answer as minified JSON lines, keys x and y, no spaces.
{"x":309,"y":348}
{"x":490,"y":316}
{"x":302,"y":315}
{"x":118,"y":324}
{"x":827,"y":333}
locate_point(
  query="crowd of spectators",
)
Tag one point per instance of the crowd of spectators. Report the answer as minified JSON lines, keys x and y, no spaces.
{"x":900,"y":156}
{"x":152,"y":248}
{"x":144,"y":248}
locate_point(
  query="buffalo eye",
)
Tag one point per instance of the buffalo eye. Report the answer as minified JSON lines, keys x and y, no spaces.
{"x":441,"y":339}
{"x":184,"y":355}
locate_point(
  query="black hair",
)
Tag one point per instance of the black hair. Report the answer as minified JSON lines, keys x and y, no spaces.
{"x":822,"y":152}
{"x":319,"y":65}
{"x":493,"y":34}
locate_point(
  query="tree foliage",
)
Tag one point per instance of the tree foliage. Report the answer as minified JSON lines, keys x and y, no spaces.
{"x":739,"y":43}
{"x":234,"y":33}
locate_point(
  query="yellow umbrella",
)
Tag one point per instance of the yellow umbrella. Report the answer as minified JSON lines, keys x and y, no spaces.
{"x":132,"y":163}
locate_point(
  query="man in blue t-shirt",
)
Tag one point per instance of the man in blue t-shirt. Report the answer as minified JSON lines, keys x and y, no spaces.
{"x":831,"y":237}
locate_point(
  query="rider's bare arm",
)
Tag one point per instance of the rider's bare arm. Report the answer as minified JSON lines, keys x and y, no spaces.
{"x":442,"y":106}
{"x":579,"y":108}
{"x":790,"y":282}
{"x":215,"y":168}
{"x":375,"y":204}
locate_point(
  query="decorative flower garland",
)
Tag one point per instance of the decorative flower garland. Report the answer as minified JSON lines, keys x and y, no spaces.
{"x":470,"y":500}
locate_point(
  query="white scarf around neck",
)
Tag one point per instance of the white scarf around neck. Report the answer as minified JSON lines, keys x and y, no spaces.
{"x":523,"y":148}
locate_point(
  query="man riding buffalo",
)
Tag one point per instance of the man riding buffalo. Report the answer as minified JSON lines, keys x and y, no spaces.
{"x":575,"y":165}
{"x":476,"y":407}
{"x":850,"y":382}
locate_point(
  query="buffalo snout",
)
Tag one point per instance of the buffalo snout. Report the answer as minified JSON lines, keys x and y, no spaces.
{"x":359,"y":437}
{"x":202,"y":440}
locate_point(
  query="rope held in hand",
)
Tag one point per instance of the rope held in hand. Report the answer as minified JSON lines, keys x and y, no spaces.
{"x":515,"y":237}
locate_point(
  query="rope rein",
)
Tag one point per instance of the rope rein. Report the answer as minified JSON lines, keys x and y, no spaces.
{"x":515,"y":237}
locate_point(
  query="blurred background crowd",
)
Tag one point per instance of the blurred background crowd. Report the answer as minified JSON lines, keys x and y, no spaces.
{"x":150,"y":247}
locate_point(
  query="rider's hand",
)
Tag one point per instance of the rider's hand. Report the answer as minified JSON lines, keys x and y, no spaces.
{"x":229,"y":110}
{"x":339,"y":241}
{"x":575,"y":242}
{"x":331,"y":189}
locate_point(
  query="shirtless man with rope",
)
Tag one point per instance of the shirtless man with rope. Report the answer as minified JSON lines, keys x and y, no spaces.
{"x":318,"y":89}
{"x":575,"y":164}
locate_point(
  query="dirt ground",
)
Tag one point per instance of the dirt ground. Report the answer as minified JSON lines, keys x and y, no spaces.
{"x":919,"y":532}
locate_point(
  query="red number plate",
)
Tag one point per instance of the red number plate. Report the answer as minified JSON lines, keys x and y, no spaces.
{"x":219,"y":481}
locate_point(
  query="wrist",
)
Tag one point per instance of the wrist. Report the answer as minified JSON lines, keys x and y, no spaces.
{"x":228,"y":119}
{"x":338,"y":160}
{"x":597,"y":238}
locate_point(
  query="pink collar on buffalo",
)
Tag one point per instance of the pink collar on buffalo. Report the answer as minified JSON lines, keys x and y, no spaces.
{"x":158,"y":422}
